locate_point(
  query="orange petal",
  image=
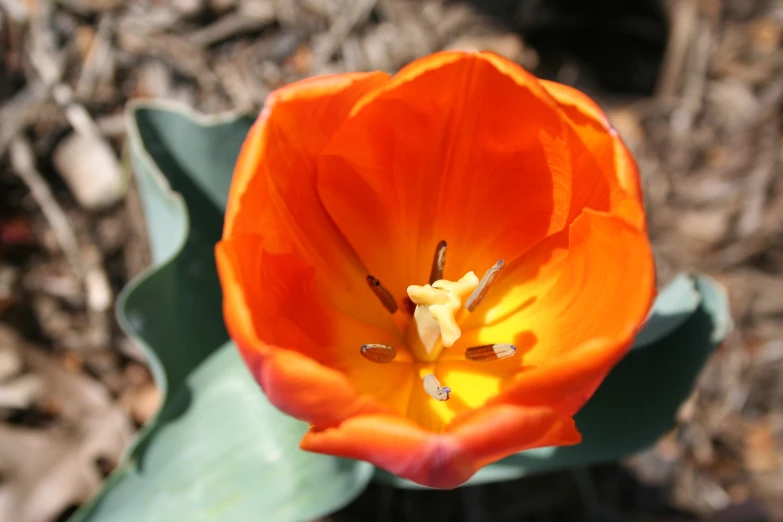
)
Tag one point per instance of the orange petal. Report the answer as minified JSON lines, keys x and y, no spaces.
{"x":567,"y":308}
{"x":463,"y":147}
{"x":566,"y":384}
{"x":393,"y":443}
{"x":273,"y":192}
{"x":443,"y":460}
{"x":605,"y":287}
{"x":307,"y":390}
{"x":517,"y":287}
{"x":239,"y":269}
{"x":493,"y":432}
{"x":271,"y":300}
{"x":293,"y":382}
{"x":608,"y":176}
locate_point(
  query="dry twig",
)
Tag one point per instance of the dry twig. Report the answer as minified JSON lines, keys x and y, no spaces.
{"x":23,"y":163}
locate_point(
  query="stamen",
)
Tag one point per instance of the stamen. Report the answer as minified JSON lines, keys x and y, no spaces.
{"x":490,"y":352}
{"x":438,"y":262}
{"x":379,"y":353}
{"x":434,"y":390}
{"x":483,"y":287}
{"x":382,"y":293}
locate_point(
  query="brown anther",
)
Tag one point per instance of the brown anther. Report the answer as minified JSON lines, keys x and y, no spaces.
{"x":434,"y":389}
{"x":383,"y":294}
{"x":490,"y":352}
{"x":481,"y":290}
{"x":438,"y":262}
{"x":379,"y":353}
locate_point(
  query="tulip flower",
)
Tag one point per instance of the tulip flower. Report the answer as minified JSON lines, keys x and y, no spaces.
{"x":434,"y":270}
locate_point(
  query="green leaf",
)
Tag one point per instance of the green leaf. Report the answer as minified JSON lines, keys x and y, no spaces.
{"x":638,"y":401}
{"x":673,"y":306}
{"x":217,"y":450}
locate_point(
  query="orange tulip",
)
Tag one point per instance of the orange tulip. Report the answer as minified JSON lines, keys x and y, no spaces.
{"x":435,"y":270}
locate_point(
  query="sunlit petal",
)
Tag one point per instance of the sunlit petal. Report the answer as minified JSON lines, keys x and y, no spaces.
{"x":433,"y":155}
{"x":273,"y":192}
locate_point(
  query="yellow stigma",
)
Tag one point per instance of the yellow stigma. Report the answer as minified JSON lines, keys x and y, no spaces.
{"x":435,"y":322}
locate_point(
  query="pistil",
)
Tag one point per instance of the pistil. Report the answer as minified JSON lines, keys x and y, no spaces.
{"x":435,"y":324}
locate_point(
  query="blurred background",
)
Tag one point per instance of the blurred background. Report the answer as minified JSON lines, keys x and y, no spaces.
{"x":695,"y":87}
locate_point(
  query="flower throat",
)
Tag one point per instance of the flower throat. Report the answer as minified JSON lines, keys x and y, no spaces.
{"x":437,"y":308}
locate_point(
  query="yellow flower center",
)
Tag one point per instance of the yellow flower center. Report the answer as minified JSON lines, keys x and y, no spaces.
{"x":440,"y":307}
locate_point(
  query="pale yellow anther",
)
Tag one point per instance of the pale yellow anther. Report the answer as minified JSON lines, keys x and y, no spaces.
{"x":435,"y":319}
